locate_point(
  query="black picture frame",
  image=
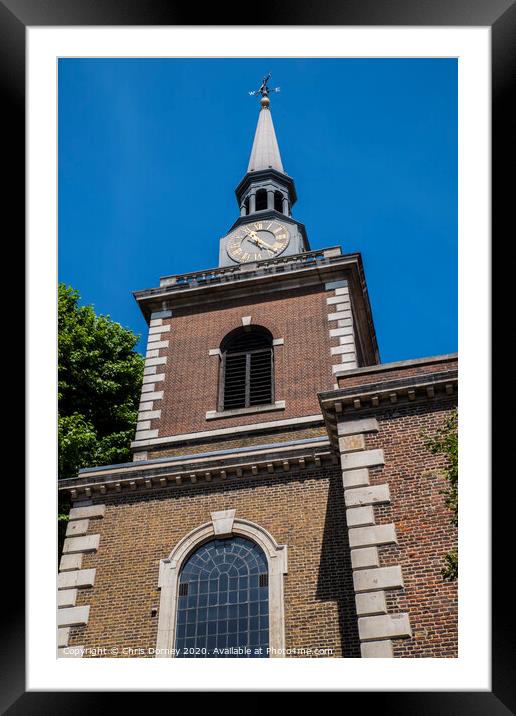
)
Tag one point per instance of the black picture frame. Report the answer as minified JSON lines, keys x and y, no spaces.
{"x":500,"y":15}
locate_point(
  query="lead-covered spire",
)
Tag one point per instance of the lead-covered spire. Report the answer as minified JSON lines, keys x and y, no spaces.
{"x":265,"y":153}
{"x":265,"y":197}
{"x":266,"y":187}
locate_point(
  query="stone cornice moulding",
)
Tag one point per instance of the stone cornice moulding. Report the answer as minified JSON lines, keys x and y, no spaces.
{"x":296,"y":276}
{"x":255,"y":280}
{"x":362,"y":396}
{"x":409,"y":363}
{"x":410,"y":387}
{"x":402,"y":391}
{"x":349,"y":402}
{"x":152,"y":477}
{"x":191,"y":458}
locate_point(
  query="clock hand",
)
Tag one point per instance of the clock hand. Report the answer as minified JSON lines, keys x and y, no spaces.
{"x":251,"y":235}
{"x":260,"y":242}
{"x":267,"y":246}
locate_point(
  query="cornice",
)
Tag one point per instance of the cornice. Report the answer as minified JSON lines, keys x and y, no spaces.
{"x":191,"y":469}
{"x":201,"y":289}
{"x":385,"y":368}
{"x":353,"y":401}
{"x":261,"y":174}
{"x":244,"y":281}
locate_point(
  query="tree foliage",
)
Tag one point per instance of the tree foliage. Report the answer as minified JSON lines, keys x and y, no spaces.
{"x":99,"y":383}
{"x":445,"y":442}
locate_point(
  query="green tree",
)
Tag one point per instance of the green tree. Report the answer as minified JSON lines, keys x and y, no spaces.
{"x":445,"y":442}
{"x":99,"y":382}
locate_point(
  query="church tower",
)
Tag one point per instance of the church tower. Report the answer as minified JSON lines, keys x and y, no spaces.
{"x":249,"y":329}
{"x":267,"y":511}
{"x":266,"y":195}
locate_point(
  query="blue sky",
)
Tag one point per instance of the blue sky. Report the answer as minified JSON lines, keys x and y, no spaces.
{"x":151,"y":150}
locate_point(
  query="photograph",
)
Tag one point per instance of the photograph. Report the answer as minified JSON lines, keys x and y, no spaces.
{"x":254,"y":247}
{"x":257,"y":357}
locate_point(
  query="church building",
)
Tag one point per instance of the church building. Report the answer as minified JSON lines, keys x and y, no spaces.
{"x":281,"y":501}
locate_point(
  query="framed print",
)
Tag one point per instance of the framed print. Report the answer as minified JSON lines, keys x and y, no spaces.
{"x":277,"y":480}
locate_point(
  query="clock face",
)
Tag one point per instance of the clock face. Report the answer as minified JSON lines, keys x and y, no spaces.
{"x":255,"y":242}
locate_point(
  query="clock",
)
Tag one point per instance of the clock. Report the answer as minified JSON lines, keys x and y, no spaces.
{"x":255,"y":242}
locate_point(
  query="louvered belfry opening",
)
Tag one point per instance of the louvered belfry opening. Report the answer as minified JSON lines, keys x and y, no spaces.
{"x":247,"y":375}
{"x":261,"y":200}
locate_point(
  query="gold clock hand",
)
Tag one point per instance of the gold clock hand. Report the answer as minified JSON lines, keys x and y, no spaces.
{"x":267,"y":246}
{"x":252,"y":236}
{"x":263,"y":244}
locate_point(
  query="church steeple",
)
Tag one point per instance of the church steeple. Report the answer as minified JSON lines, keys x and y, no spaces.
{"x":265,"y":153}
{"x":266,"y":184}
{"x":266,"y":193}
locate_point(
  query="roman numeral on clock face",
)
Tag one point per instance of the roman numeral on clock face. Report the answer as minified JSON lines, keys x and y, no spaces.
{"x":257,"y":241}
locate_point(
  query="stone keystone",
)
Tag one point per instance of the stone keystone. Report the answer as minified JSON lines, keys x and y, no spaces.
{"x":223,"y":522}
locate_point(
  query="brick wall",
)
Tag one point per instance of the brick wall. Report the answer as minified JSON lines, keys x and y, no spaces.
{"x":382,"y":373}
{"x":423,"y":526}
{"x":223,"y":443}
{"x":303,"y":510}
{"x":302,"y":364}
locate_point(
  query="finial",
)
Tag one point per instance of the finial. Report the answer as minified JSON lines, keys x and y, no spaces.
{"x":263,"y":91}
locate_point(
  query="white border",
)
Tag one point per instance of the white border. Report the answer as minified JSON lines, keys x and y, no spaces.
{"x":472,"y":669}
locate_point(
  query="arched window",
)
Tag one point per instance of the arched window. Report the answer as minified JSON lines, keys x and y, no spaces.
{"x":223,"y":601}
{"x":235,"y":542}
{"x":261,"y":200}
{"x":278,"y":201}
{"x":246,"y":369}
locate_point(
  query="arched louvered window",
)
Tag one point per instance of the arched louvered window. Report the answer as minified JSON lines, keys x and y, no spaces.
{"x":246,"y":369}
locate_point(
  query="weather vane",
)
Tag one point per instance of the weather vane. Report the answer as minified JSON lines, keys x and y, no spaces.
{"x":264,"y":89}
